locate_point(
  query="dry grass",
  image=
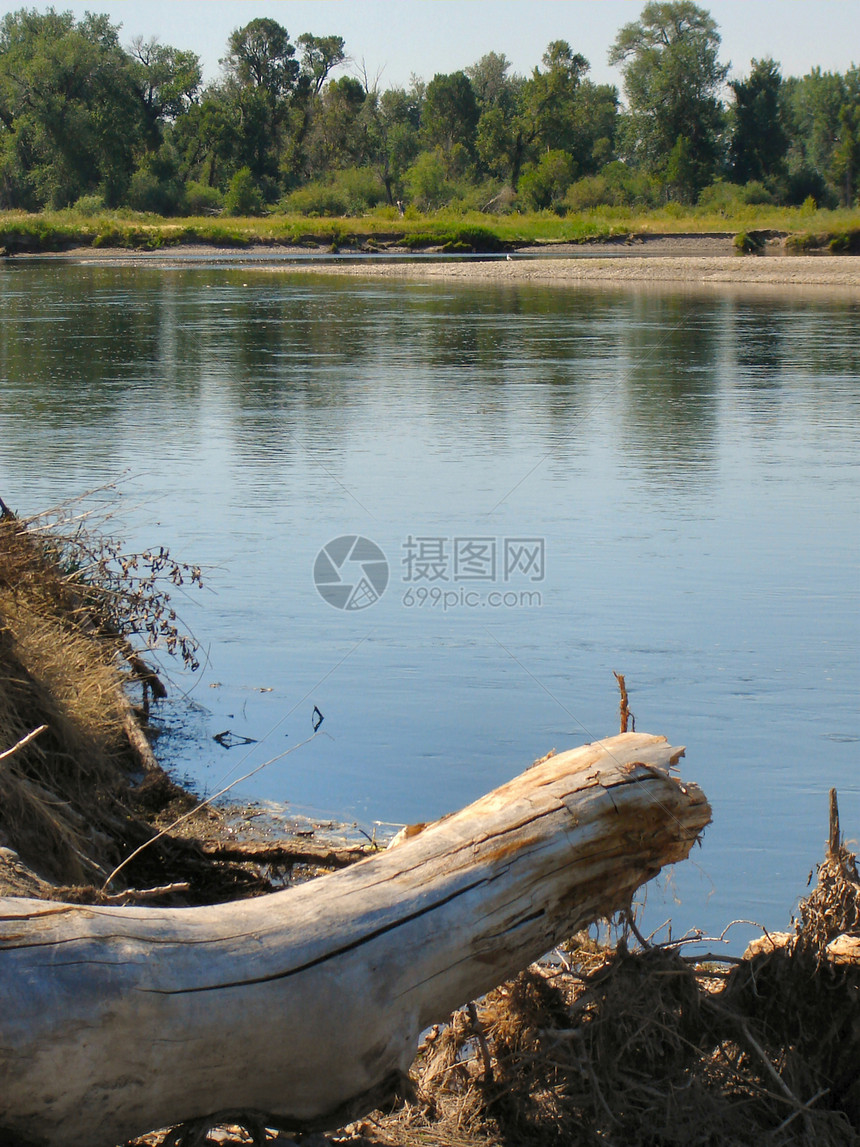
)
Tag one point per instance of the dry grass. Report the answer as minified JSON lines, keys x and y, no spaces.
{"x":53,"y":673}
{"x":78,"y":798}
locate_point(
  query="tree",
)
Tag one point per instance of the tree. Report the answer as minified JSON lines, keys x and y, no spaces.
{"x":70,"y":115}
{"x":166,"y":80}
{"x":556,"y":109}
{"x":492,"y":85}
{"x":759,"y":143}
{"x":261,"y":77}
{"x":450,"y":113}
{"x":320,"y":54}
{"x":391,"y":122}
{"x":337,"y":134}
{"x":819,"y":110}
{"x":672,"y":79}
{"x":261,"y":56}
{"x":845,"y":164}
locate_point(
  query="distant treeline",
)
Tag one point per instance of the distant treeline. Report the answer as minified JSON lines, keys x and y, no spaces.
{"x":90,"y":123}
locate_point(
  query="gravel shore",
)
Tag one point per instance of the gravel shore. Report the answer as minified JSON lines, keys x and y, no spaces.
{"x":720,"y":270}
{"x":692,"y":260}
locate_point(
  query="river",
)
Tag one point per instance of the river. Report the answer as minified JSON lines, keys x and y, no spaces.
{"x":552,"y":484}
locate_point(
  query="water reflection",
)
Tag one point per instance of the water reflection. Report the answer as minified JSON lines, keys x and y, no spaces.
{"x":689,"y":461}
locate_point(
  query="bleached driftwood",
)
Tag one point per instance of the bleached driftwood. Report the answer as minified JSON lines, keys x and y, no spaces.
{"x":304,"y":1007}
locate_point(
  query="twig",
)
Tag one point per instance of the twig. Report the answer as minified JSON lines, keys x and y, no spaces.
{"x":623,"y":708}
{"x":139,"y":894}
{"x":478,"y":1032}
{"x":768,"y":1066}
{"x":834,"y":842}
{"x":804,"y":1107}
{"x":203,"y":804}
{"x":22,"y":743}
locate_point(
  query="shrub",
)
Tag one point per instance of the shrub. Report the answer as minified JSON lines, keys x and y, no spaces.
{"x":153,"y":193}
{"x":616,"y":185}
{"x":543,"y":186}
{"x":90,"y":205}
{"x":426,"y":183}
{"x":361,"y":189}
{"x":726,"y":198}
{"x":243,"y":196}
{"x":748,"y":243}
{"x":201,"y":199}
{"x":845,"y":242}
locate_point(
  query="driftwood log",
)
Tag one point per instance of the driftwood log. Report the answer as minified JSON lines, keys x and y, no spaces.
{"x":302,"y":1009}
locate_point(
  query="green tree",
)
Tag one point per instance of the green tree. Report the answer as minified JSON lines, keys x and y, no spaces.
{"x":337,"y":136}
{"x":426,"y":181}
{"x":818,"y":110}
{"x":672,"y":79}
{"x":391,"y":123}
{"x":69,"y":113}
{"x":166,"y":81}
{"x":544,"y":184}
{"x":207,"y":138}
{"x":492,"y":85}
{"x":260,"y":56}
{"x":243,"y":196}
{"x":759,"y":142}
{"x":320,"y":55}
{"x":845,"y":164}
{"x":262,"y":75}
{"x":449,"y":115}
{"x":556,"y":109}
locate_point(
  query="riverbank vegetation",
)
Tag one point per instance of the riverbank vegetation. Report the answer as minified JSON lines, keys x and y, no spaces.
{"x":287,"y":133}
{"x":803,"y":229}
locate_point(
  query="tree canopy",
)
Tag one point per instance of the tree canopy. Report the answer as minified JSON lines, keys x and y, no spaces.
{"x":292,"y":122}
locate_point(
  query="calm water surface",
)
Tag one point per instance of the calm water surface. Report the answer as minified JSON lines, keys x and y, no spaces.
{"x":673,"y":478}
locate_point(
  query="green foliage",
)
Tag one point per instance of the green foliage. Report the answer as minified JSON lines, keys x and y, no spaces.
{"x":544,"y":184}
{"x":89,"y":206}
{"x":457,"y":239}
{"x":845,"y":242}
{"x":353,"y":191}
{"x":155,"y":188}
{"x":201,"y":199}
{"x":759,"y":141}
{"x":672,"y":79}
{"x":728,"y":198}
{"x":83,"y":120}
{"x":426,"y":182}
{"x":748,"y":243}
{"x":67,"y":105}
{"x":243,"y":196}
{"x":617,"y":185}
{"x":450,"y":113}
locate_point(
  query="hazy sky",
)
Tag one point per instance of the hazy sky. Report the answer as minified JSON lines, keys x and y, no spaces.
{"x":396,"y":38}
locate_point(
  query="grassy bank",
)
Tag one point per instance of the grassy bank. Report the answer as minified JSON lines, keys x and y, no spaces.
{"x":808,"y":229}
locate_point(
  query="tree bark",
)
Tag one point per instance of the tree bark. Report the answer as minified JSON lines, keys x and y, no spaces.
{"x":303,"y":1008}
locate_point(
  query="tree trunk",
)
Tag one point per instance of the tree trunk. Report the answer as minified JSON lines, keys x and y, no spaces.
{"x":304,"y":1007}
